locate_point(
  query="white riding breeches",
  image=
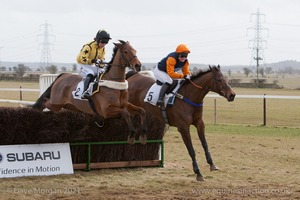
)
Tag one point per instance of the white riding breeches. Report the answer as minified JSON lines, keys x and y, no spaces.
{"x":84,"y":70}
{"x":162,"y":76}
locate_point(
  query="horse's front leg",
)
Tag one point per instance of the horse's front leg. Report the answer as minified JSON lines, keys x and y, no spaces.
{"x":186,"y":136}
{"x":126,"y":115}
{"x":132,"y":109}
{"x":201,"y":133}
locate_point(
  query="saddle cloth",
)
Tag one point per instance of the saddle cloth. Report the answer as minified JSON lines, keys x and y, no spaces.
{"x":79,"y":90}
{"x":94,"y":87}
{"x":153,"y":94}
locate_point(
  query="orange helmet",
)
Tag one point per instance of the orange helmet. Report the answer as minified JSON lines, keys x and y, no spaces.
{"x":182,"y":48}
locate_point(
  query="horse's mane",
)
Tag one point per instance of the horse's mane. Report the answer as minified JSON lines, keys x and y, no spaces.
{"x":115,"y":49}
{"x":201,"y":72}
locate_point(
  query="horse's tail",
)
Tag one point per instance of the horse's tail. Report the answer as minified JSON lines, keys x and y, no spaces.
{"x":130,"y":73}
{"x":39,"y":104}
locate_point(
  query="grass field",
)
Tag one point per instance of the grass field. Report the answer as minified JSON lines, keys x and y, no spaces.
{"x":255,"y":163}
{"x":280,"y":112}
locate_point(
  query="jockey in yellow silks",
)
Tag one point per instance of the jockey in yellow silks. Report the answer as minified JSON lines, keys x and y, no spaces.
{"x":92,"y":53}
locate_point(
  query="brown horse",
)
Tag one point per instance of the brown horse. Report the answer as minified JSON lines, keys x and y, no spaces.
{"x":109,"y":101}
{"x":187,"y":108}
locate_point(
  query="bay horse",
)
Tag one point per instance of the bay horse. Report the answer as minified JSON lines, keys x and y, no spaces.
{"x":108,"y":102}
{"x":187,"y":109}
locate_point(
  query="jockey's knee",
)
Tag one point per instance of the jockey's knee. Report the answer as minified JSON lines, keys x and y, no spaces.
{"x":169,"y":80}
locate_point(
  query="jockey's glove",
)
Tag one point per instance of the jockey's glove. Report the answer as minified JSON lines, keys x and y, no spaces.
{"x":99,"y":63}
{"x":187,"y":76}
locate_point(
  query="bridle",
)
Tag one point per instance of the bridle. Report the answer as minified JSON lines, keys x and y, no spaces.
{"x":219,"y":87}
{"x":122,"y":57}
{"x":215,"y":83}
{"x":127,"y":61}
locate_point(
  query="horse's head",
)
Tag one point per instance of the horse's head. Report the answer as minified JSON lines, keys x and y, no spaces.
{"x":128,"y":55}
{"x":220,"y":84}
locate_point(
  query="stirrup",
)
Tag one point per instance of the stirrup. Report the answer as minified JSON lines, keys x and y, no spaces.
{"x":160,"y":102}
{"x":86,"y":95}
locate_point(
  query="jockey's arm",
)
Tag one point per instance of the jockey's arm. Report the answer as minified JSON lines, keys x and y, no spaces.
{"x":101,"y":60}
{"x":83,"y":56}
{"x":170,"y":65}
{"x":185,"y":69}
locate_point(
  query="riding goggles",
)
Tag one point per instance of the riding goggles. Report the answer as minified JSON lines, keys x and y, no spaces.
{"x":183,"y":55}
{"x":103,"y":41}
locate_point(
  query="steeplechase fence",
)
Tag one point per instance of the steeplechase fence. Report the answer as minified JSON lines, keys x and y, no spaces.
{"x":91,"y":147}
{"x":159,"y":162}
{"x":90,"y":153}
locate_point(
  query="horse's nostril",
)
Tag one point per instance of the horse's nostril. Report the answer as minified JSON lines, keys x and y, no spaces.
{"x":231,"y":97}
{"x":137,"y":67}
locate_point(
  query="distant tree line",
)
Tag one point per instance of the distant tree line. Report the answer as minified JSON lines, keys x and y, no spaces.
{"x":268,"y":70}
{"x":21,"y":69}
{"x":284,"y":67}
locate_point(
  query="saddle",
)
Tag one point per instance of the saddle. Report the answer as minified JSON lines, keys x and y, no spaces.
{"x":95,"y":85}
{"x":169,"y":98}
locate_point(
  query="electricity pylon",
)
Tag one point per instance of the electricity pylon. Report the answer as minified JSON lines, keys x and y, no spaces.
{"x":257,"y":44}
{"x":46,"y":54}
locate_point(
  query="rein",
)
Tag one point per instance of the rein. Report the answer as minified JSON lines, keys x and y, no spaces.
{"x":194,"y":84}
{"x":197,"y":105}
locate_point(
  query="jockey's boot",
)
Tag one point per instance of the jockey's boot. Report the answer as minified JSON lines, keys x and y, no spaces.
{"x":163,"y":90}
{"x":88,"y":79}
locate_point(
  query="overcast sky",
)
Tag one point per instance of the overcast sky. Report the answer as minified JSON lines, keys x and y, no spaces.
{"x":216,"y":31}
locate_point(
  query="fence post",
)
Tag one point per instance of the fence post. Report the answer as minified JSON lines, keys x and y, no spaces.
{"x":215,"y":111}
{"x":20,"y":93}
{"x":265,"y":110}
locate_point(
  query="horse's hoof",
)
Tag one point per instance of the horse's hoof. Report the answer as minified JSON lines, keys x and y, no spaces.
{"x":213,"y":168}
{"x":130,"y":140}
{"x":143,"y":139}
{"x":200,"y":178}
